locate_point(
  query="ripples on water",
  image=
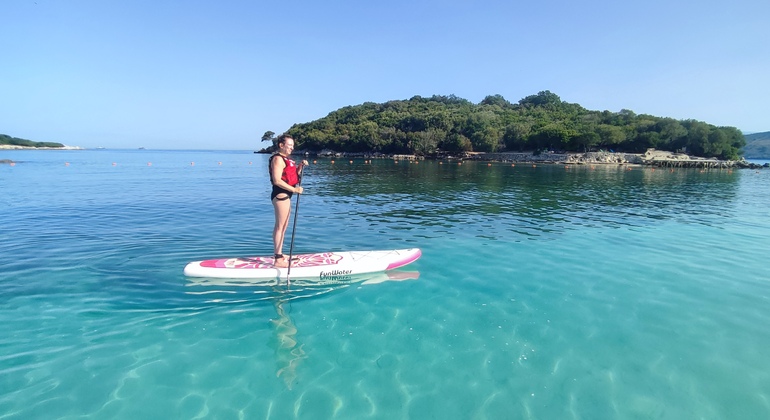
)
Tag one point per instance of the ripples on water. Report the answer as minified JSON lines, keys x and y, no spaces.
{"x":523,"y":202}
{"x":547,"y":292}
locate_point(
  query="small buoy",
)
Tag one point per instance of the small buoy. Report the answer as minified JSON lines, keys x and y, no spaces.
{"x":653,"y":169}
{"x":459,"y":163}
{"x":192,"y":163}
{"x":489,"y":164}
{"x":114,"y":164}
{"x":440,"y":163}
{"x":513,"y":165}
{"x":149,"y":163}
{"x":332,"y":162}
{"x":219,"y":163}
{"x":314,"y":162}
{"x":66,"y":164}
{"x":395,"y":161}
{"x":534,"y":166}
{"x":249,"y":162}
{"x":12,"y":163}
{"x":351,"y":162}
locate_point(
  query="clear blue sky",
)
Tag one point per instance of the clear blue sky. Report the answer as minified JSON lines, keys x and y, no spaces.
{"x":218,"y":74}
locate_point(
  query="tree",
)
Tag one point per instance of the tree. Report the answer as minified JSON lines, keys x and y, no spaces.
{"x":516,"y":135}
{"x":495,"y":100}
{"x":456,"y":142}
{"x":486,"y":140}
{"x":697,"y":137}
{"x":427,"y":141}
{"x":610,"y":135}
{"x":542,"y":98}
{"x":555,"y":135}
{"x":268,"y":136}
{"x":672,"y":134}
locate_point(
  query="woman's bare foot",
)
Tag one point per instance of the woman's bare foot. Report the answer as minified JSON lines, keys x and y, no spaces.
{"x":280,"y":261}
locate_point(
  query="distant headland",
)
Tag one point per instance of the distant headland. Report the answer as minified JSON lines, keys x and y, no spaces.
{"x":8,"y":142}
{"x":757,"y":146}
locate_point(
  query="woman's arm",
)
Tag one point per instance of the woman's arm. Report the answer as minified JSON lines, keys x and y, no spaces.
{"x":301,"y":167}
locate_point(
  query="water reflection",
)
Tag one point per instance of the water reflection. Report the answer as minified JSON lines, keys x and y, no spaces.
{"x":289,"y":351}
{"x":503,"y":201}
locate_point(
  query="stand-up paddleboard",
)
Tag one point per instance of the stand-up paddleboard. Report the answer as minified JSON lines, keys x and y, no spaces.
{"x":320,"y":265}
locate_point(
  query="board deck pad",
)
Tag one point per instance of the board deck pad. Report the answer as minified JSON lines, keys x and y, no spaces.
{"x":322,"y":264}
{"x":250,"y":263}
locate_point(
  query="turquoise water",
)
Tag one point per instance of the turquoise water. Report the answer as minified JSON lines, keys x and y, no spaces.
{"x":543,"y":292}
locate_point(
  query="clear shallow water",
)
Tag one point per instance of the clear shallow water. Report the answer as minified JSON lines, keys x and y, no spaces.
{"x":545,"y":292}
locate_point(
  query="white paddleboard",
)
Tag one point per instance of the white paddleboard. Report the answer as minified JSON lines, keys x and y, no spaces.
{"x":320,"y":265}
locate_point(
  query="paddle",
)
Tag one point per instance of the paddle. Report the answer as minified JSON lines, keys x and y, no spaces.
{"x":294,"y":227}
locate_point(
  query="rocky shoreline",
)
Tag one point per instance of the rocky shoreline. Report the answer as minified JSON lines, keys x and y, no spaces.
{"x":651,"y":157}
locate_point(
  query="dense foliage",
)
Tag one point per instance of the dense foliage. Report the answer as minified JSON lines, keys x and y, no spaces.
{"x":757,"y":146}
{"x":14,"y":141}
{"x":538,"y":122}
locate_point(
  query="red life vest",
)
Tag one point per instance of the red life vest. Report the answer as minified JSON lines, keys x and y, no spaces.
{"x":289,"y":174}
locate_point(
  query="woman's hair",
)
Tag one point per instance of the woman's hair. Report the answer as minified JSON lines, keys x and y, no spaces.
{"x":282,"y":138}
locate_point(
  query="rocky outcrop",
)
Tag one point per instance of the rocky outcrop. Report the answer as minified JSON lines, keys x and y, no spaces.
{"x":651,"y":157}
{"x":681,"y":160}
{"x":563,"y":158}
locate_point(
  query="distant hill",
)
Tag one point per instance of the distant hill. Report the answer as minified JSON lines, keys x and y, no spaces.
{"x":757,"y":146}
{"x":14,"y":141}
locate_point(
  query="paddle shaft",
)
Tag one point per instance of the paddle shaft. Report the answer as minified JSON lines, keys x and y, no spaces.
{"x":294,"y":228}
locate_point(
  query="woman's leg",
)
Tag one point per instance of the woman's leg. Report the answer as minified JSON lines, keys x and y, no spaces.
{"x":282,"y":210}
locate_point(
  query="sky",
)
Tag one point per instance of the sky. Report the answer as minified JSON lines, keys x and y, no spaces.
{"x":197,"y":74}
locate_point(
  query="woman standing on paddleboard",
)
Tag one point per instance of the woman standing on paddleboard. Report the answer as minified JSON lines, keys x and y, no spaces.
{"x":284,"y":175}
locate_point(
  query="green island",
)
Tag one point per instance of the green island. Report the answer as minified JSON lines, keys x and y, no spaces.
{"x":541,"y":123}
{"x":13,"y":142}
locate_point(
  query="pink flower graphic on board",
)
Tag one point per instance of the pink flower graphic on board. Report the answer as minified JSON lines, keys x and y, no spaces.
{"x":305,"y":260}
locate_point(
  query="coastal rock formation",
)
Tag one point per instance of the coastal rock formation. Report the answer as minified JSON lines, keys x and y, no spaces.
{"x":563,"y":158}
{"x":682,"y":160}
{"x":651,"y":157}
